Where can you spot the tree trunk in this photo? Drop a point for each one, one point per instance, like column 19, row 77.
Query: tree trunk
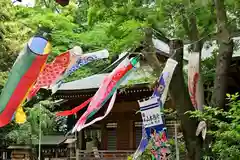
column 184, row 104
column 224, row 57
column 149, row 52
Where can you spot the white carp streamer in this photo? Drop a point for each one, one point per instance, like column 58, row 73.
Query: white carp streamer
column 195, row 88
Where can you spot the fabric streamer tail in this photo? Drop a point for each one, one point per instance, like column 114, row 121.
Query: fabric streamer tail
column 142, row 146
column 20, row 115
column 85, row 116
column 74, row 110
column 80, row 122
column 79, row 127
column 56, row 86
column 202, row 128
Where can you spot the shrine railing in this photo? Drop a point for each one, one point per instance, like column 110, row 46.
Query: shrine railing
column 104, row 154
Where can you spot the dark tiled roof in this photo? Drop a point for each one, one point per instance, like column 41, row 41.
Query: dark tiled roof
column 50, row 140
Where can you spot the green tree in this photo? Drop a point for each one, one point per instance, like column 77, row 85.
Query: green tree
column 225, row 130
column 40, row 120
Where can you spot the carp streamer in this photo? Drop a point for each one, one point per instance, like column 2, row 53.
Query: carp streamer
column 24, row 73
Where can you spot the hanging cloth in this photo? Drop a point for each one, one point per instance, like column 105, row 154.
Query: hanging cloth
column 154, row 122
column 195, row 88
column 50, row 73
column 78, row 63
column 106, row 90
column 24, row 73
column 154, row 126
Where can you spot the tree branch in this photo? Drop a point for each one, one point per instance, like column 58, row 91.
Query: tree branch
column 160, row 35
column 149, row 52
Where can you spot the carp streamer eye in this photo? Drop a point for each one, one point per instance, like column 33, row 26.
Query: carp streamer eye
column 39, row 45
column 161, row 88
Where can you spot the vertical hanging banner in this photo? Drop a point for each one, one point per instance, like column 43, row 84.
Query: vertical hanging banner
column 167, row 74
column 155, row 132
column 154, row 127
column 151, row 115
column 158, row 91
column 195, row 88
column 81, row 61
column 22, row 77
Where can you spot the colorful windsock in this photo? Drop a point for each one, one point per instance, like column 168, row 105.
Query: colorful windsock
column 77, row 62
column 51, row 73
column 106, row 90
column 23, row 75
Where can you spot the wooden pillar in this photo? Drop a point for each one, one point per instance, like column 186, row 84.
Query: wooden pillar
column 79, row 145
column 122, row 134
column 56, row 153
column 71, row 150
column 79, row 142
column 131, row 134
column 4, row 156
column 104, row 136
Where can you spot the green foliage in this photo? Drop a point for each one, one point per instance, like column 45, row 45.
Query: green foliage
column 225, row 129
column 181, row 147
column 12, row 36
column 3, row 132
column 39, row 120
column 3, row 78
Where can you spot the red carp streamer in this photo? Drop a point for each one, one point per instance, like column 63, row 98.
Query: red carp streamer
column 74, row 110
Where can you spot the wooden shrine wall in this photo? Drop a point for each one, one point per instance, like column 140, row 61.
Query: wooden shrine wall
column 125, row 132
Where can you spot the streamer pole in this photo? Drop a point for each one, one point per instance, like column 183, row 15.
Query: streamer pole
column 176, row 141
column 40, row 137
